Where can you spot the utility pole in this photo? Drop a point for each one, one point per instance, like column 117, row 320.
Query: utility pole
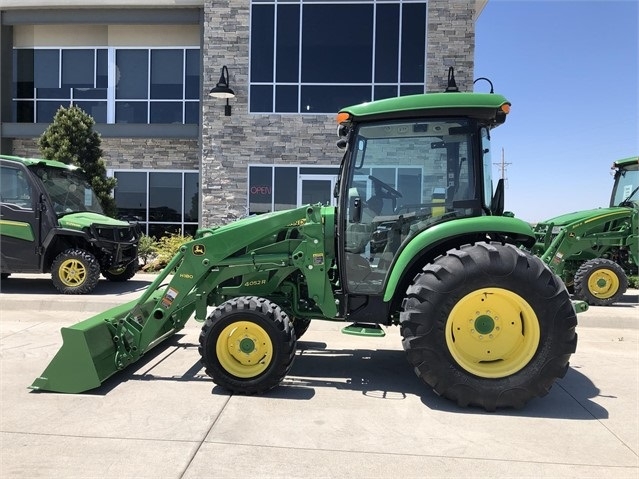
column 502, row 167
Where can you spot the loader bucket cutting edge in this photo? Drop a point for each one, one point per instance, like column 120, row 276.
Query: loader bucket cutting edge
column 87, row 355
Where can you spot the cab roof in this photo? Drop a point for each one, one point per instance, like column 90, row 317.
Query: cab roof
column 38, row 161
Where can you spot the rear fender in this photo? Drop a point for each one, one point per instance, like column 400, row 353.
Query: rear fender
column 427, row 244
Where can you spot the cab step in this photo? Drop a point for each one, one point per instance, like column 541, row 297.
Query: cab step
column 362, row 329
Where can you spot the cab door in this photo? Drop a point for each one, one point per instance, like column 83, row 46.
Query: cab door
column 19, row 230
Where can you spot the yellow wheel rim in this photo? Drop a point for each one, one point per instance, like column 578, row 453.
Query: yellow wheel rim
column 72, row 272
column 603, row 283
column 492, row 333
column 244, row 349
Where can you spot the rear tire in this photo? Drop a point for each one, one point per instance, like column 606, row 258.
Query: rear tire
column 300, row 325
column 75, row 271
column 488, row 325
column 247, row 345
column 600, row 282
column 119, row 275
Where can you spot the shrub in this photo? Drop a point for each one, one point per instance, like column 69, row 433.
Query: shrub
column 163, row 250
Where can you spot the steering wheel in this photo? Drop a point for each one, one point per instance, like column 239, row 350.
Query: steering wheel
column 386, row 190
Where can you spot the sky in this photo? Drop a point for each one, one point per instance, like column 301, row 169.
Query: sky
column 570, row 70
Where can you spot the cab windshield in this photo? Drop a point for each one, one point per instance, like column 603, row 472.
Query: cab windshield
column 68, row 190
column 404, row 177
column 626, row 186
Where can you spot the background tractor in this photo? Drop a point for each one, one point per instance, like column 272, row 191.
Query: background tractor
column 52, row 221
column 418, row 240
column 594, row 251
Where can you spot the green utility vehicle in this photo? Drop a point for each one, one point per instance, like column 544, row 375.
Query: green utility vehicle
column 417, row 240
column 594, row 251
column 52, row 221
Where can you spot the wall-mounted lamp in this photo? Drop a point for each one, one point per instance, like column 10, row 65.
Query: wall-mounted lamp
column 222, row 90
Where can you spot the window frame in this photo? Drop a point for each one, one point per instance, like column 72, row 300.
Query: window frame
column 111, row 101
column 144, row 224
column 400, row 87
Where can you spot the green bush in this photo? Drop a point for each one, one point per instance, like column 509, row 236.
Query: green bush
column 633, row 282
column 146, row 249
column 159, row 252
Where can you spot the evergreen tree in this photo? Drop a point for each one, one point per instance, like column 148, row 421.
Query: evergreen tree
column 70, row 139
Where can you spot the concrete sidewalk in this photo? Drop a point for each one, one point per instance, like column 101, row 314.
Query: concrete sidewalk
column 351, row 407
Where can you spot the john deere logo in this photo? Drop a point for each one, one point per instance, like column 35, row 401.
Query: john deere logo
column 198, row 249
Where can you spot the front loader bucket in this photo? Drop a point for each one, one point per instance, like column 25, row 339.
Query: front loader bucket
column 86, row 358
column 88, row 353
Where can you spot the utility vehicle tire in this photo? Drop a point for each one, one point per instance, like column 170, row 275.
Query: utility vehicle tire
column 247, row 345
column 121, row 274
column 488, row 325
column 300, row 325
column 75, row 271
column 600, row 282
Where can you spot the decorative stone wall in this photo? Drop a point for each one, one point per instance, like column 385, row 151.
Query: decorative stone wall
column 230, row 144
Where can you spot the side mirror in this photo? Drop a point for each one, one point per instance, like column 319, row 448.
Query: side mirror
column 497, row 202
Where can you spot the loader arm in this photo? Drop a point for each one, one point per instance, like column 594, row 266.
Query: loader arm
column 251, row 256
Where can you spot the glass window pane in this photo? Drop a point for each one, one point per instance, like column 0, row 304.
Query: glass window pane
column 23, row 73
column 90, row 93
column 131, row 112
column 130, row 195
column 102, row 69
column 260, row 189
column 411, row 90
column 409, row 182
column 387, row 44
column 78, row 68
column 47, row 68
column 192, row 80
column 288, row 43
column 192, row 113
column 24, row 111
column 166, row 112
column 385, row 91
column 285, row 188
column 189, row 230
column 53, row 93
column 261, row 99
column 132, row 73
column 262, row 37
column 97, row 109
column 160, row 230
column 165, row 197
column 323, row 42
column 167, row 74
column 413, row 42
column 191, row 196
column 331, row 99
column 286, row 99
column 46, row 110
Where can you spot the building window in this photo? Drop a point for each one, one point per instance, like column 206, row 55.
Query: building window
column 277, row 188
column 162, row 201
column 113, row 85
column 310, row 56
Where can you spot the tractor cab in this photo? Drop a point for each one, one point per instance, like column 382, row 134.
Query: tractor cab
column 626, row 189
column 400, row 177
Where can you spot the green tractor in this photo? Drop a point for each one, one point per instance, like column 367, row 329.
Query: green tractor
column 417, row 240
column 52, row 221
column 594, row 251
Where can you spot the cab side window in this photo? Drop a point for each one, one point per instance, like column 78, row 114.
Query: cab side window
column 14, row 188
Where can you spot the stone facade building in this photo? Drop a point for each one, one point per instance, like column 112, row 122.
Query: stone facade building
column 143, row 69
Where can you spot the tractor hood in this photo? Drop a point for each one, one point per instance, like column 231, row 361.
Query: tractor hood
column 84, row 219
column 586, row 215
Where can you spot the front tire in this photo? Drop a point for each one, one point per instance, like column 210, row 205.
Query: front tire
column 75, row 271
column 488, row 325
column 247, row 345
column 600, row 282
column 119, row 275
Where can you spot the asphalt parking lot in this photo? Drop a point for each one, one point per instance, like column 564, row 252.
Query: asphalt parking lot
column 351, row 407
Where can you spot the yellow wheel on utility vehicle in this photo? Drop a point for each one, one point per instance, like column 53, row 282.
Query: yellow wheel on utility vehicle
column 72, row 272
column 603, row 283
column 492, row 332
column 244, row 349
